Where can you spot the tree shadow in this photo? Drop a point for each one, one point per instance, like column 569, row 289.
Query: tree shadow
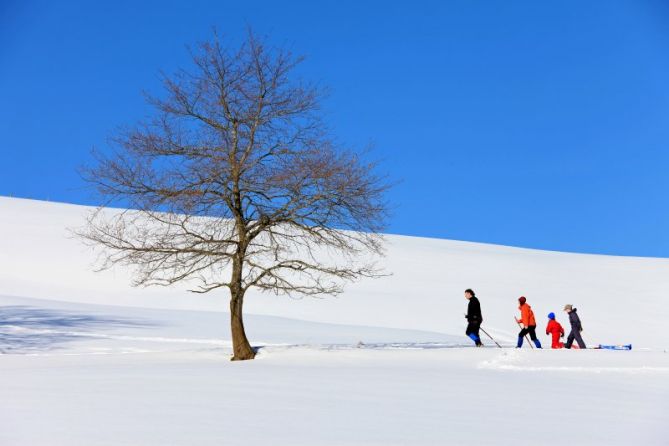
column 25, row 329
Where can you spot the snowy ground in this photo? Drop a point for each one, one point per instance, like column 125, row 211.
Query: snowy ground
column 89, row 361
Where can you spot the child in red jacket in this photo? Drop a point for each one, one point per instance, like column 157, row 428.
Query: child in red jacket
column 556, row 330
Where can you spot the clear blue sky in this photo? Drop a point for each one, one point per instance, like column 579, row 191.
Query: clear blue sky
column 537, row 124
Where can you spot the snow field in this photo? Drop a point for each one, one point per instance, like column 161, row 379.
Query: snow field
column 86, row 359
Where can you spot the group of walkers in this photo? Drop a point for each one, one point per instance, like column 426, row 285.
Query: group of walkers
column 527, row 323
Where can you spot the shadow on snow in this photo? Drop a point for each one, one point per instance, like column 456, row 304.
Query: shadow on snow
column 25, row 329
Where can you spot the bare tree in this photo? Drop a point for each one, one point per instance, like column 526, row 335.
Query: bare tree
column 236, row 183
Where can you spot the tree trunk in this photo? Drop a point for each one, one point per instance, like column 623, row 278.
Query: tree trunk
column 241, row 348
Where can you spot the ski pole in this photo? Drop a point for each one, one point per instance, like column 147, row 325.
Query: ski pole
column 521, row 327
column 493, row 340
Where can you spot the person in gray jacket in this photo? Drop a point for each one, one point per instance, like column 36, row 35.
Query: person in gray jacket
column 576, row 328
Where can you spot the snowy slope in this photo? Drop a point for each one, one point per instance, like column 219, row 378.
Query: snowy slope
column 620, row 299
column 90, row 360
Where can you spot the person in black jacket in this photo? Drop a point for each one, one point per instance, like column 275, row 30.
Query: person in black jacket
column 474, row 317
column 576, row 328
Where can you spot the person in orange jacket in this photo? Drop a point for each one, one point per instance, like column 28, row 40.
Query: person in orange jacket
column 554, row 328
column 527, row 322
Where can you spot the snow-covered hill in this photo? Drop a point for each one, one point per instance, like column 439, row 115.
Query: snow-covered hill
column 90, row 360
column 620, row 299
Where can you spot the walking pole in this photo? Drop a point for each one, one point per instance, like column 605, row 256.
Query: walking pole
column 521, row 327
column 493, row 340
